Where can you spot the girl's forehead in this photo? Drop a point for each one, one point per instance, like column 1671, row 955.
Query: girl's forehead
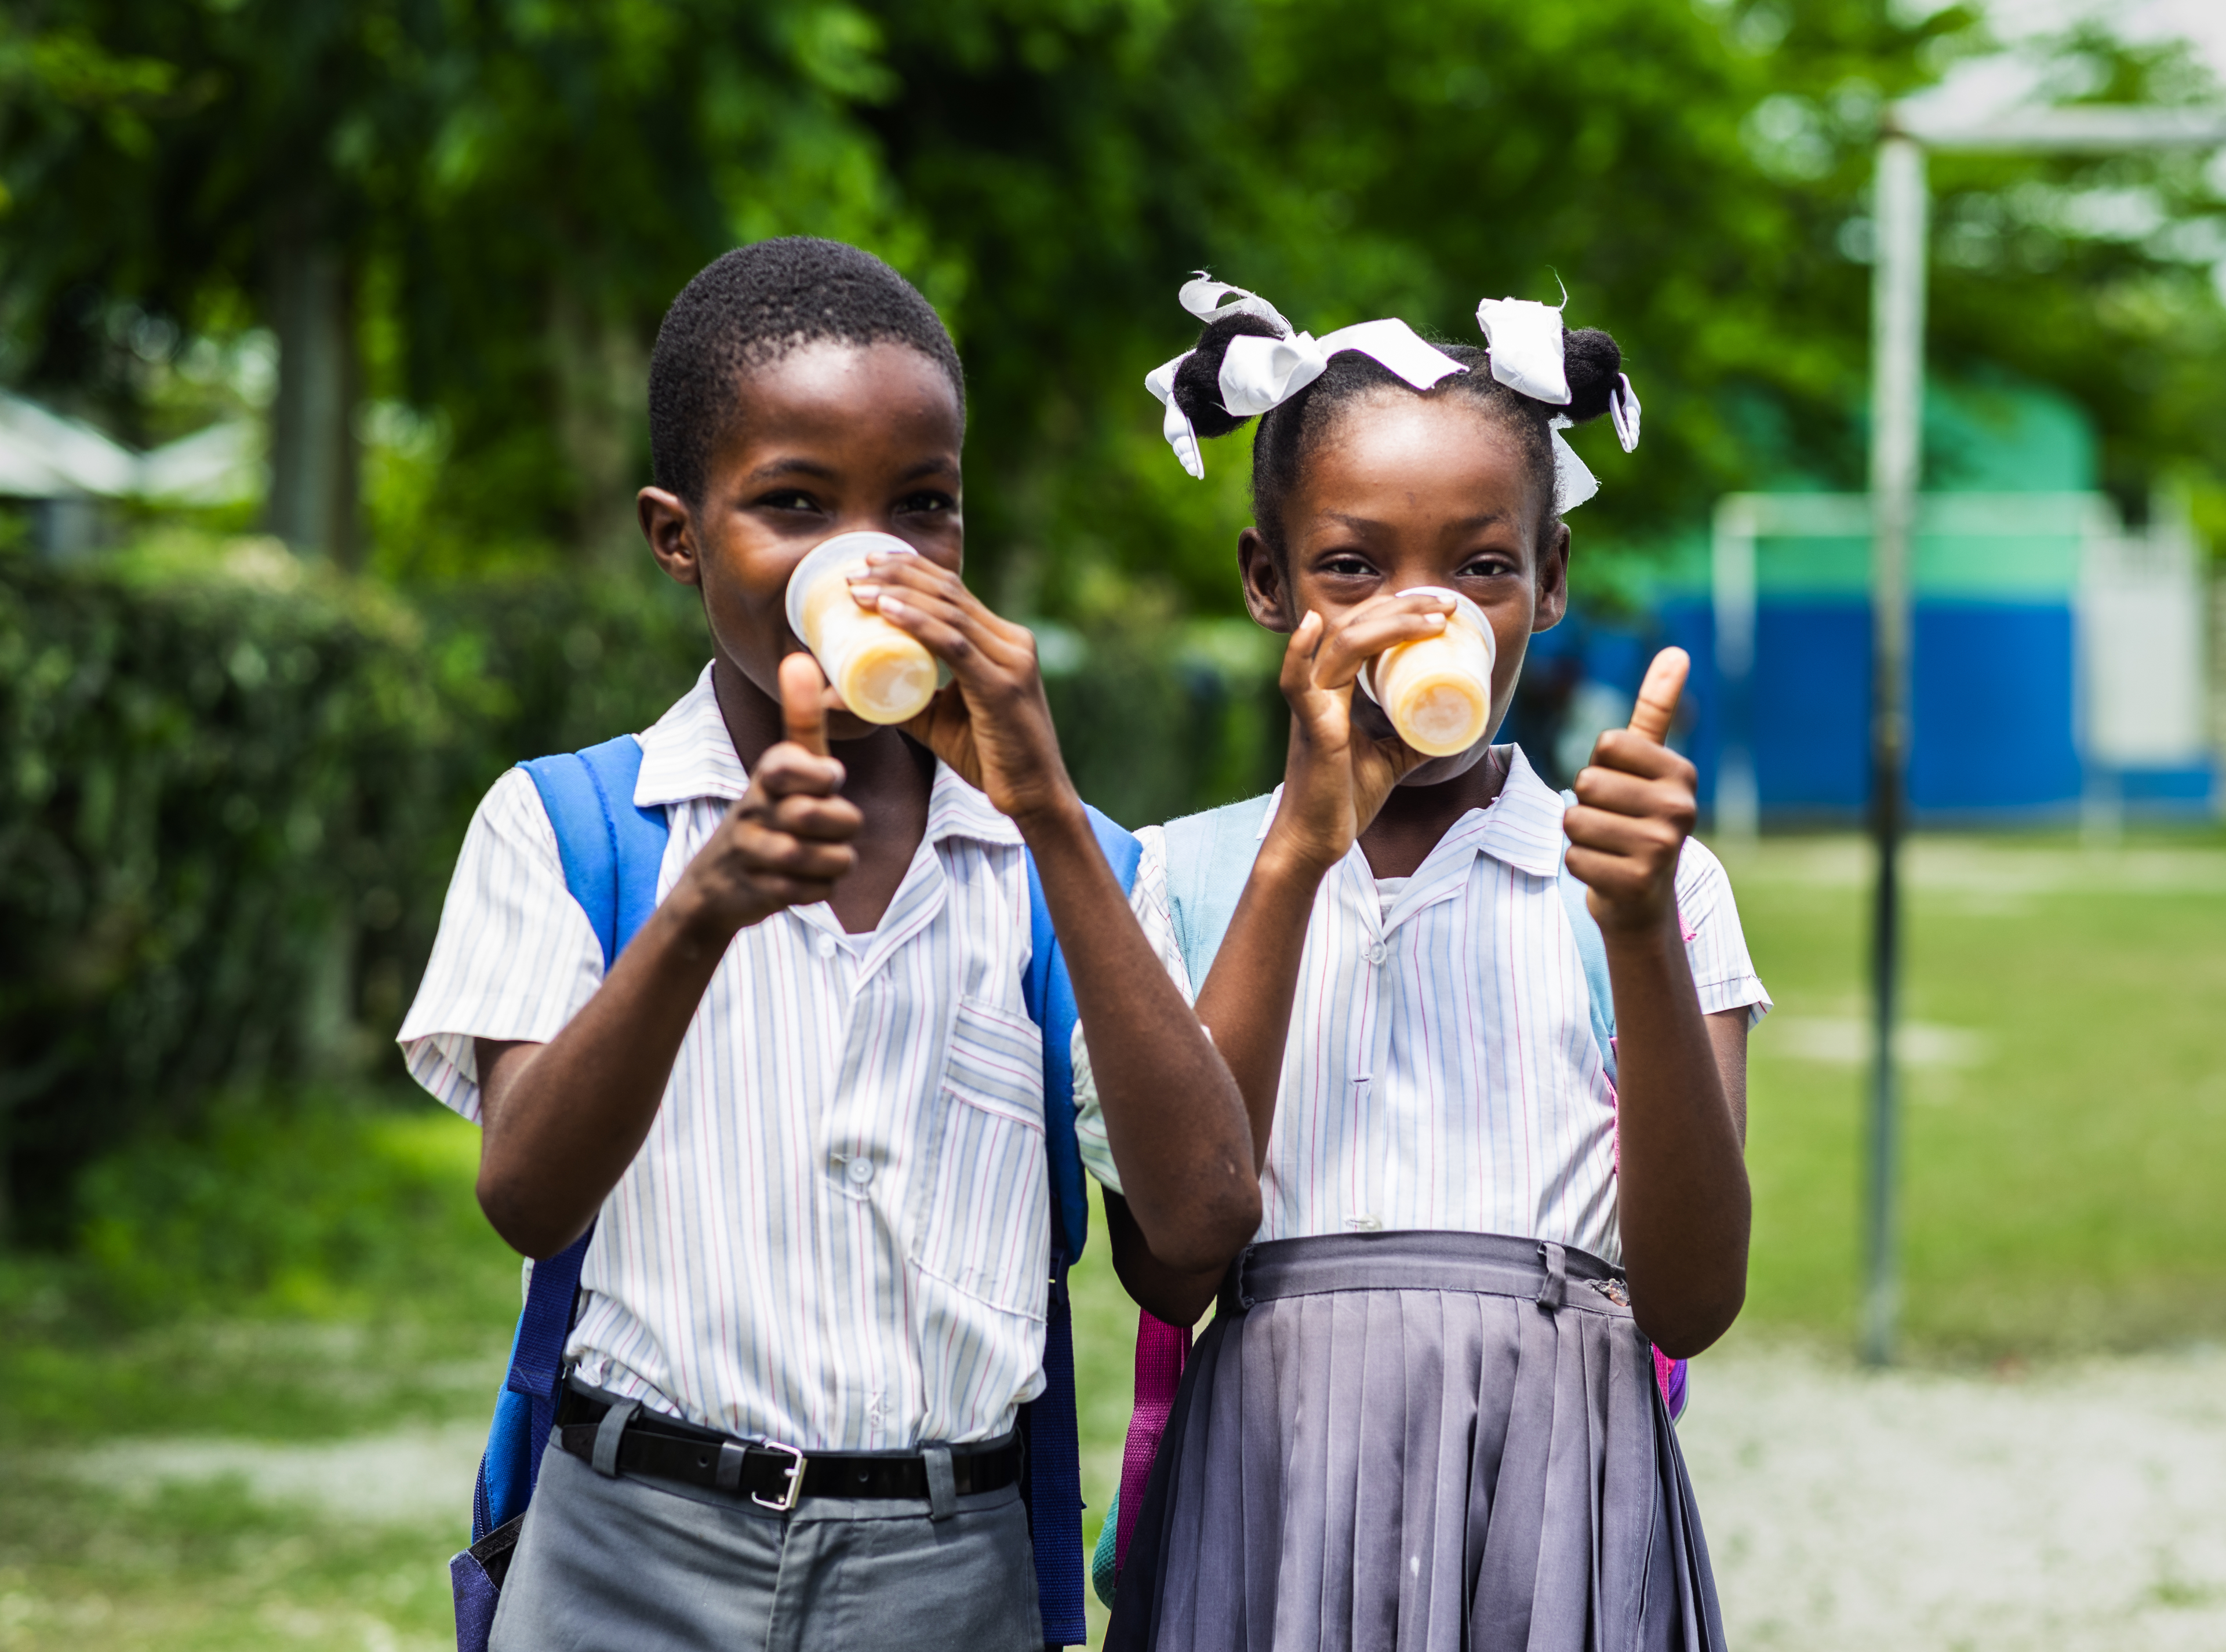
column 1417, row 457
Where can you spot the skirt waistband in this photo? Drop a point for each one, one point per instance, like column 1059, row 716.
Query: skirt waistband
column 1482, row 1264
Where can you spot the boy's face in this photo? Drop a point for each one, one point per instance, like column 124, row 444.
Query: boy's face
column 829, row 439
column 1408, row 490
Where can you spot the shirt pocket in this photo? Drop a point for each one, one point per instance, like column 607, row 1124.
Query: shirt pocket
column 987, row 1228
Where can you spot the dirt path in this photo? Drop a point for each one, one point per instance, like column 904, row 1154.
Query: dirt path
column 2080, row 1507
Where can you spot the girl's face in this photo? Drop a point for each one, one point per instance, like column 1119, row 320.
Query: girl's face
column 1406, row 490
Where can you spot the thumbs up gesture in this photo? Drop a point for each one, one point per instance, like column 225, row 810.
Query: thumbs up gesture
column 1635, row 808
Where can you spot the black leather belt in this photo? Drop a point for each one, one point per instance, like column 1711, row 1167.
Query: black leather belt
column 772, row 1477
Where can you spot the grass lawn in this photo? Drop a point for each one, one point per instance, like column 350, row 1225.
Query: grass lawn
column 2066, row 1118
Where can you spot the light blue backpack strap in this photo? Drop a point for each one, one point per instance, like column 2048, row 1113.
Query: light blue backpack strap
column 1209, row 858
column 612, row 853
column 1592, row 952
column 1048, row 1423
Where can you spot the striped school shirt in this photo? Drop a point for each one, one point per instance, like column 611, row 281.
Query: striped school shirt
column 837, row 1233
column 1440, row 1070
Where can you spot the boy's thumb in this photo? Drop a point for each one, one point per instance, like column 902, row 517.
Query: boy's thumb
column 803, row 703
column 1658, row 695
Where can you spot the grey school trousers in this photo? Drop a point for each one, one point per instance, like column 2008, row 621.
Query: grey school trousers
column 623, row 1565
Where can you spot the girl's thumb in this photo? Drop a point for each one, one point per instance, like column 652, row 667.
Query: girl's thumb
column 1658, row 695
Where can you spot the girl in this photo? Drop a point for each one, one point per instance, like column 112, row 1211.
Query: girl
column 1426, row 1414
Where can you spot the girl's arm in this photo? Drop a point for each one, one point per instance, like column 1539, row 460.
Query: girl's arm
column 1680, row 1076
column 1334, row 780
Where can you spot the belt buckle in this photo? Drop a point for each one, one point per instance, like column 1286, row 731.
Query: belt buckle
column 788, row 1500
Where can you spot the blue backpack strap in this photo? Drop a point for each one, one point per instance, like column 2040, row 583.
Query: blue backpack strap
column 1048, row 1422
column 1209, row 858
column 1592, row 952
column 612, row 853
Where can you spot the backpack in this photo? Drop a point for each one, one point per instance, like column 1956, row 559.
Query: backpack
column 1209, row 858
column 612, row 853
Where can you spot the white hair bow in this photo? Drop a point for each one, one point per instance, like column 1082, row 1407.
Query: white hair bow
column 1526, row 342
column 1260, row 373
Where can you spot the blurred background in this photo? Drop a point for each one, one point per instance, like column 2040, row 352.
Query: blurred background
column 323, row 329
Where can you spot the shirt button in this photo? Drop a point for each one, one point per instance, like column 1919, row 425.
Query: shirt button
column 860, row 1169
column 827, row 944
column 1376, row 952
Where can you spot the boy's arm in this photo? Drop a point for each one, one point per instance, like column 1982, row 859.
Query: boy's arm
column 1175, row 1119
column 1681, row 1190
column 561, row 1121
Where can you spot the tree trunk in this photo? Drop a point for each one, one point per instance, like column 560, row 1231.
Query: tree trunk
column 601, row 372
column 313, row 447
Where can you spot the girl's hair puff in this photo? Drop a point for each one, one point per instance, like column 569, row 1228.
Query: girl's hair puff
column 1289, row 433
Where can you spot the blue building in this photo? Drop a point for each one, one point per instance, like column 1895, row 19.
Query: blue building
column 2057, row 658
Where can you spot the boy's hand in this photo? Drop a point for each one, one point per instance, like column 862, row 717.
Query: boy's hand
column 786, row 840
column 1635, row 808
column 1337, row 776
column 991, row 722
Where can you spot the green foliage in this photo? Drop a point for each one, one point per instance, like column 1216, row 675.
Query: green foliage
column 316, row 1207
column 217, row 779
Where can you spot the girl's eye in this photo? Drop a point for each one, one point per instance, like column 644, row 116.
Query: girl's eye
column 1486, row 568
column 926, row 503
column 1347, row 567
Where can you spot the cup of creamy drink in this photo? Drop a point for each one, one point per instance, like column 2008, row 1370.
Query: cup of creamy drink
column 1437, row 690
column 882, row 673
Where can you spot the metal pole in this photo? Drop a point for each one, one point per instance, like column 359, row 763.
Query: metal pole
column 1897, row 425
column 1732, row 581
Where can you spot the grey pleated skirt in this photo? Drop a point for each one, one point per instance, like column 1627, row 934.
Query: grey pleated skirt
column 1418, row 1442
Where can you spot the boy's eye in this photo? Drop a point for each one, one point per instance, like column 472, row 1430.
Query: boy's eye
column 787, row 498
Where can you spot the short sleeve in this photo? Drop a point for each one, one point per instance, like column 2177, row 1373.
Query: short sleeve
column 515, row 958
column 1715, row 946
column 1149, row 900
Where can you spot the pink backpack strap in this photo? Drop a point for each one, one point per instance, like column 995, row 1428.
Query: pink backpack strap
column 1161, row 1351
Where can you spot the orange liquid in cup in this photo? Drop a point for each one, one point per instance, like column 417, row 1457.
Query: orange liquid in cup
column 882, row 673
column 1437, row 690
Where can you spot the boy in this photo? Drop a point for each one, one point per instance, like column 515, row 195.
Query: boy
column 804, row 1108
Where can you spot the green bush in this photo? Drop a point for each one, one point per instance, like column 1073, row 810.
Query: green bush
column 234, row 785
column 233, row 791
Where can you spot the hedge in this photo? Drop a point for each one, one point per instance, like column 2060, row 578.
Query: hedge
column 233, row 787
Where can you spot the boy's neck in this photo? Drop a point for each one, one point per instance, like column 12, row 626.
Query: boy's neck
column 1415, row 818
column 888, row 777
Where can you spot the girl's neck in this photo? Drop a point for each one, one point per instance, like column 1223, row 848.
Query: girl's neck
column 1415, row 818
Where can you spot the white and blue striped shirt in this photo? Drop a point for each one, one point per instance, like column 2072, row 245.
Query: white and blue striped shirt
column 837, row 1233
column 1440, row 1070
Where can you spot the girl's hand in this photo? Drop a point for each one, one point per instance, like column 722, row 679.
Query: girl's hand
column 786, row 840
column 1337, row 776
column 1635, row 809
column 991, row 722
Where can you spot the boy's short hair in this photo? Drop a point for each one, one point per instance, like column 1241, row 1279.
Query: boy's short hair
column 749, row 308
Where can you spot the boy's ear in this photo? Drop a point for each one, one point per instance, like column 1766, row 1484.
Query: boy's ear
column 1266, row 592
column 1553, row 581
column 670, row 527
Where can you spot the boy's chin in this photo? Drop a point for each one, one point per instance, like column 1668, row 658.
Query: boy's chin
column 848, row 724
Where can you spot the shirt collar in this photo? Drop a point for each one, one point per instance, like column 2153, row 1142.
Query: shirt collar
column 1523, row 827
column 688, row 753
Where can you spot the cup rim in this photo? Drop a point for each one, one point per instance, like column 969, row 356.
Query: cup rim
column 1463, row 606
column 842, row 547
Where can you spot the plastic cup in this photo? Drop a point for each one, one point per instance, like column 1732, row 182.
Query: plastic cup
column 1437, row 690
column 882, row 673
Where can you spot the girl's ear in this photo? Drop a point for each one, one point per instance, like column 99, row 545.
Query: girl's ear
column 1552, row 583
column 671, row 530
column 1266, row 590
